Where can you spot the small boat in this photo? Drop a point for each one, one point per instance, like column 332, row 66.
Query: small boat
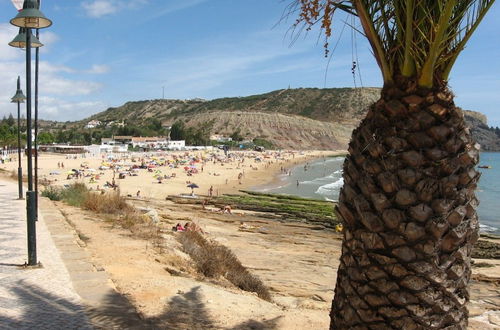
column 485, row 166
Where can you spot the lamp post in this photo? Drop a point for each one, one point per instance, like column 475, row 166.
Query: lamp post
column 30, row 17
column 19, row 98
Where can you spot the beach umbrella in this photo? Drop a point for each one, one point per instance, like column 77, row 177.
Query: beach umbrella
column 192, row 186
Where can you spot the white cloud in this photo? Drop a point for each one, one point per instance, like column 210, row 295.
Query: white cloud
column 99, row 8
column 7, row 33
column 172, row 7
column 56, row 109
column 98, row 69
column 58, row 83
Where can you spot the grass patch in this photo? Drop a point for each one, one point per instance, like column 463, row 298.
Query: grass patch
column 291, row 208
column 214, row 260
column 75, row 194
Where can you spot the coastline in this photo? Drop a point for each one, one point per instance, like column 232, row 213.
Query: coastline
column 275, row 181
column 213, row 169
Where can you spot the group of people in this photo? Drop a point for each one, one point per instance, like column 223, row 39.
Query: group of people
column 189, row 226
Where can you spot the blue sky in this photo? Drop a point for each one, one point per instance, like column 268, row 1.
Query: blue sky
column 102, row 53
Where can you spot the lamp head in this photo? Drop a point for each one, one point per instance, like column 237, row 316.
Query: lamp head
column 31, row 17
column 20, row 40
column 19, row 97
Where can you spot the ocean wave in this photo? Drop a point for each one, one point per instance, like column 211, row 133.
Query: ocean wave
column 330, row 188
column 272, row 188
column 487, row 229
column 334, row 175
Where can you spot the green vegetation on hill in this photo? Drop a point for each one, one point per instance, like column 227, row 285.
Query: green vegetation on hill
column 303, row 118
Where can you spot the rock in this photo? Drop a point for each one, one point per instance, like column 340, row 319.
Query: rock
column 153, row 216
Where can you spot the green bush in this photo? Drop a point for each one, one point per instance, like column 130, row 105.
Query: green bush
column 52, row 193
column 75, row 194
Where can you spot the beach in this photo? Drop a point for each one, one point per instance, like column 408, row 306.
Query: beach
column 157, row 175
column 296, row 261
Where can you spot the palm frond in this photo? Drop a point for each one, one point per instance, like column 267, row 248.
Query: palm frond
column 418, row 39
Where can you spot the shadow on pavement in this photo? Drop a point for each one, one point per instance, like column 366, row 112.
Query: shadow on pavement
column 44, row 310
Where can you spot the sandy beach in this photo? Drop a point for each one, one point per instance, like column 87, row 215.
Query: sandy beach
column 143, row 172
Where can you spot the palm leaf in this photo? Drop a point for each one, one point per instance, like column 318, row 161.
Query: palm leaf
column 418, row 39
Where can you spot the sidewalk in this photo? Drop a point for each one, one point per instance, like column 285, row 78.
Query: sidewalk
column 68, row 291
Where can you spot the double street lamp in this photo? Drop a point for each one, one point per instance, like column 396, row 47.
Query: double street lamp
column 30, row 17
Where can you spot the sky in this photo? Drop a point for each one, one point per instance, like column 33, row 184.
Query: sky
column 103, row 53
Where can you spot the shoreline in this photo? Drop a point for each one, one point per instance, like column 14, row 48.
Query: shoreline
column 276, row 179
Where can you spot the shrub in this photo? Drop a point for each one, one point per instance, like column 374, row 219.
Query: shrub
column 52, row 193
column 110, row 203
column 75, row 194
column 213, row 259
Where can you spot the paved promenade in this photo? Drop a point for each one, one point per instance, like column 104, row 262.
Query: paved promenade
column 67, row 291
column 37, row 298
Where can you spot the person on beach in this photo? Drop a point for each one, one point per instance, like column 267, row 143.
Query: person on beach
column 226, row 209
column 211, row 191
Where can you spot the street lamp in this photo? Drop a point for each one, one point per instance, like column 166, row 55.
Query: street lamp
column 19, row 98
column 30, row 17
column 20, row 40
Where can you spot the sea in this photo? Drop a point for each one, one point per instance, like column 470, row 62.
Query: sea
column 322, row 179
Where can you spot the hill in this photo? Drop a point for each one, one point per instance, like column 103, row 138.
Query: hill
column 302, row 118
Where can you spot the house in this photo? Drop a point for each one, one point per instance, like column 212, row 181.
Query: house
column 220, row 138
column 149, row 142
column 176, row 145
column 93, row 124
column 116, row 124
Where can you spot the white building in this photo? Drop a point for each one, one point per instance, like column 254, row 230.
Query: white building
column 220, row 138
column 93, row 124
column 122, row 143
column 176, row 145
column 149, row 142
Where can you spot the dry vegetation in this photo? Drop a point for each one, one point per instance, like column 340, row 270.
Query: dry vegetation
column 211, row 259
column 215, row 260
column 112, row 205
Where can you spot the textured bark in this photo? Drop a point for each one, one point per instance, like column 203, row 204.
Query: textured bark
column 409, row 214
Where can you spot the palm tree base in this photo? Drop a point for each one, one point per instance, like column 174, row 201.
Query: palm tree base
column 409, row 214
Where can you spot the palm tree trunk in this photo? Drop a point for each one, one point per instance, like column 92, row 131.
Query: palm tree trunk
column 409, row 214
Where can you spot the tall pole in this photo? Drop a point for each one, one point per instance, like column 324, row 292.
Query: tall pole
column 19, row 167
column 37, row 52
column 30, row 194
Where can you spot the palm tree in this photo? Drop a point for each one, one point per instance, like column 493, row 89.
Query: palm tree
column 408, row 204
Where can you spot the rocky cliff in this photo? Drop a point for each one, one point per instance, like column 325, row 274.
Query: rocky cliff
column 484, row 135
